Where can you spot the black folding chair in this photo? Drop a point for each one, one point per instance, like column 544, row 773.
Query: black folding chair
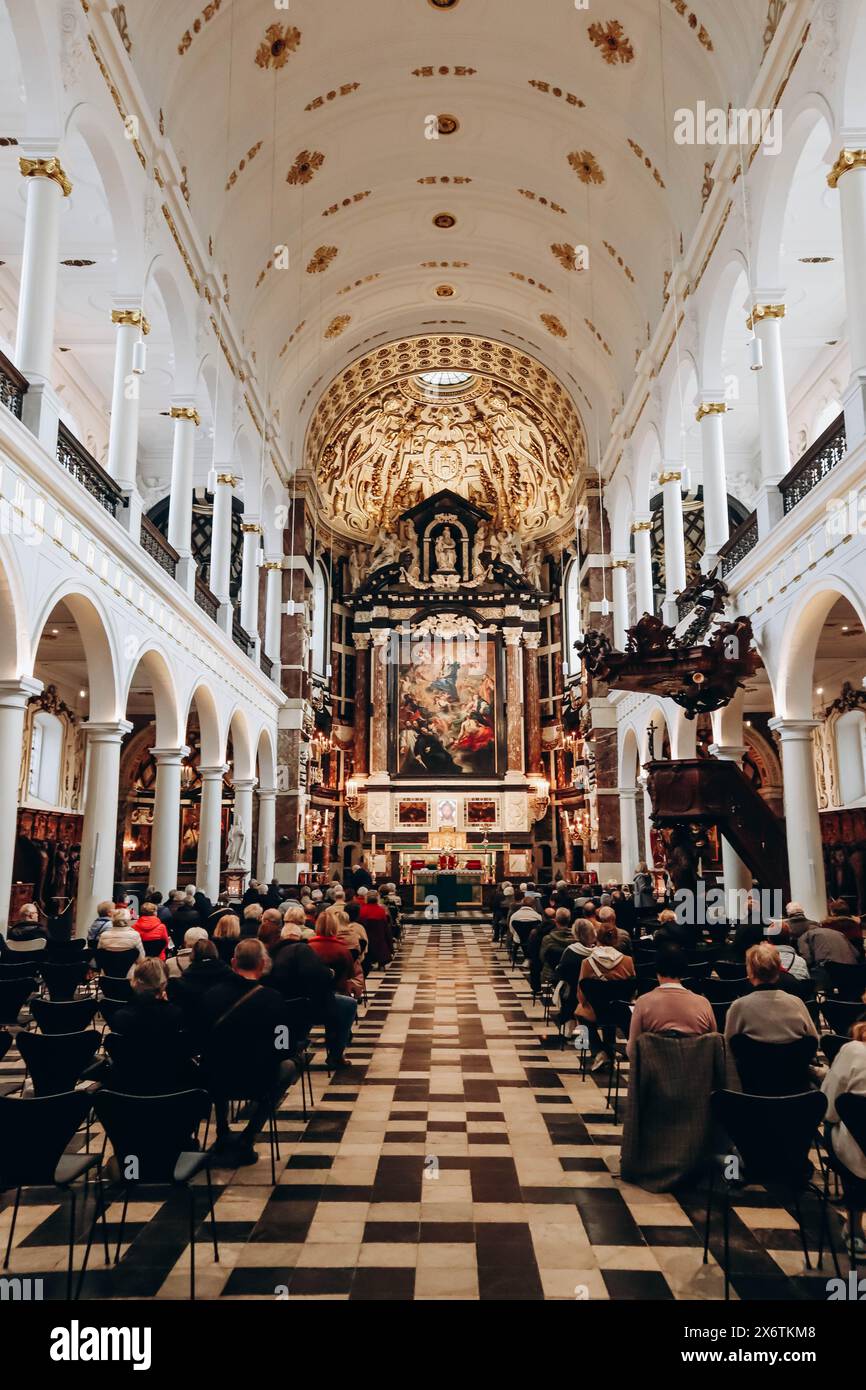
column 66, row 952
column 846, row 981
column 13, row 996
column 116, row 963
column 62, row 981
column 55, row 1061
column 6, row 1041
column 724, row 991
column 730, row 969
column 773, row 1069
column 119, row 990
column 164, row 1069
column 153, row 1142
column 18, row 970
column 31, row 951
column 34, row 1134
column 773, row 1136
column 153, row 948
column 602, row 995
column 720, row 1013
column 71, row 1017
column 841, row 1014
column 620, row 1019
column 831, row 1045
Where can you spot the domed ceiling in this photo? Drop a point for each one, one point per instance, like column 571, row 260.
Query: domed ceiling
column 465, row 414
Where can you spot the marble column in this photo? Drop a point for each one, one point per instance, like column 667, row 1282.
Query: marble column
column 47, row 186
column 362, row 698
column 567, row 847
column 675, row 542
column 99, row 830
column 532, row 703
column 250, row 578
column 644, row 601
column 849, row 176
column 186, row 421
column 619, row 580
column 221, row 545
column 243, row 815
column 267, row 843
column 274, row 612
column 379, row 701
column 513, row 703
column 710, row 417
column 736, row 875
column 130, row 325
column 209, row 862
column 14, row 695
column 166, row 818
column 629, row 843
column 802, row 822
column 766, row 320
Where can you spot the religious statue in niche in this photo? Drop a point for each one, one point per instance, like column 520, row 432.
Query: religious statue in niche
column 446, row 552
column 236, row 845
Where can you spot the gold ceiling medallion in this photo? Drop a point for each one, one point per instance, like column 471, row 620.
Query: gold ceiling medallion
column 586, row 166
column 429, row 70
column 346, row 203
column 556, row 92
column 305, row 166
column 565, row 254
column 848, row 159
column 445, row 291
column 444, row 220
column 45, row 169
column 365, row 280
column 528, row 280
column 321, row 259
column 279, row 43
column 446, row 124
column 444, row 265
column 545, row 202
column 445, row 178
column 344, row 91
column 554, row 325
column 247, row 159
column 338, row 325
column 694, row 24
column 611, row 40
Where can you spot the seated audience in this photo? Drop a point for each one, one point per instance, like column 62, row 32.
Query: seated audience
column 331, row 950
column 604, row 962
column 555, row 941
column 523, row 918
column 226, row 934
column 376, row 921
column 353, row 936
column 798, row 922
column 768, row 1014
column 822, row 946
column 607, row 917
column 104, row 914
column 793, row 965
column 121, row 934
column 839, row 919
column 251, row 919
column 150, row 928
column 670, row 932
column 568, row 972
column 671, row 1008
column 27, row 927
column 203, row 971
column 294, row 914
column 180, row 963
column 270, row 927
column 149, row 1019
column 848, row 1075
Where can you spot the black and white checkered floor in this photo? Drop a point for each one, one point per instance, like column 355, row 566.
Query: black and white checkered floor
column 461, row 1157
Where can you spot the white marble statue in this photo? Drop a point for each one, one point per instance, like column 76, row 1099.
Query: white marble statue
column 236, row 845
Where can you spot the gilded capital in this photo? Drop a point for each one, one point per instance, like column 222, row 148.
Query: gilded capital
column 619, row 564
column 251, row 528
column 641, row 526
column 45, row 169
column 185, row 412
column 671, row 476
column 710, row 408
column 848, row 159
column 228, row 479
column 765, row 311
column 130, row 318
column 273, row 565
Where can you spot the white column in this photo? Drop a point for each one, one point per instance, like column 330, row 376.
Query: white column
column 736, row 875
column 99, row 831
column 243, row 814
column 619, row 573
column 267, row 846
column 250, row 578
column 47, row 185
column 274, row 611
column 629, row 842
column 766, row 319
column 849, row 175
column 131, row 325
column 643, row 566
column 209, row 862
column 166, row 818
column 710, row 417
column 186, row 421
column 802, row 823
column 647, row 820
column 675, row 542
column 14, row 696
column 221, row 545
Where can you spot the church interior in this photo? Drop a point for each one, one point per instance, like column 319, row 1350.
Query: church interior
column 433, row 615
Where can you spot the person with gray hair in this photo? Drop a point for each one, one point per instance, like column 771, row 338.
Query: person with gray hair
column 567, row 972
column 798, row 922
column 149, row 1020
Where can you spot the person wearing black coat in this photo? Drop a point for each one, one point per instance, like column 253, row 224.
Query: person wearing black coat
column 187, row 991
column 361, row 876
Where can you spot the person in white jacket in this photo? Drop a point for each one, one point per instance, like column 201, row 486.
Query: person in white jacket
column 848, row 1074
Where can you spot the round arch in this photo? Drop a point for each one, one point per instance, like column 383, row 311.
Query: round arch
column 242, row 745
column 266, row 759
column 682, row 392
column 96, row 639
column 811, row 113
column 153, row 664
column 212, row 742
column 799, row 644
column 720, row 296
column 15, row 648
column 629, row 758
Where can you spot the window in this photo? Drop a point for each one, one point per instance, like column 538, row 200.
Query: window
column 571, row 617
column 321, row 621
column 46, row 757
column 851, row 757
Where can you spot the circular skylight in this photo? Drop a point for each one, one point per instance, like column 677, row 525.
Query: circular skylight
column 444, row 381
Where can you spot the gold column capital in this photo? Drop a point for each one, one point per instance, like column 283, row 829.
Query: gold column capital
column 847, row 159
column 45, row 169
column 228, row 479
column 130, row 318
column 185, row 412
column 272, row 565
column 251, row 528
column 765, row 311
column 710, row 408
column 619, row 564
column 641, row 526
column 671, row 476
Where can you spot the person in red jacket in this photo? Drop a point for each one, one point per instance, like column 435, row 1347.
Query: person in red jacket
column 332, row 951
column 150, row 928
column 376, row 921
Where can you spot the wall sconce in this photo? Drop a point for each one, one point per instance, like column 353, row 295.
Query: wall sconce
column 539, row 790
column 354, row 795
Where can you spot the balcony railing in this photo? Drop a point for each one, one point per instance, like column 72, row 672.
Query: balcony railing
column 208, row 602
column 266, row 664
column 738, row 544
column 13, row 387
column 83, row 466
column 242, row 639
column 819, row 460
column 157, row 547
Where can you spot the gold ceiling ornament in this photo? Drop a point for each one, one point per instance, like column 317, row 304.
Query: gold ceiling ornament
column 647, row 162
column 305, row 166
column 346, row 203
column 279, row 43
column 185, row 412
column 444, row 265
column 321, row 259
column 445, row 178
column 272, row 565
column 490, row 443
column 364, row 280
column 775, row 11
column 130, row 318
column 614, row 254
column 116, row 98
column 344, row 91
column 45, row 169
column 528, row 280
column 430, row 70
column 338, row 325
column 565, row 254
column 242, row 164
column 444, row 220
column 288, row 343
column 447, row 124
column 545, row 202
column 671, row 476
column 694, row 24
column 764, row 311
column 198, row 24
column 710, row 408
column 445, row 291
column 547, row 87
column 847, row 159
column 595, row 333
column 166, row 212
column 586, row 166
column 612, row 41
column 554, row 325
